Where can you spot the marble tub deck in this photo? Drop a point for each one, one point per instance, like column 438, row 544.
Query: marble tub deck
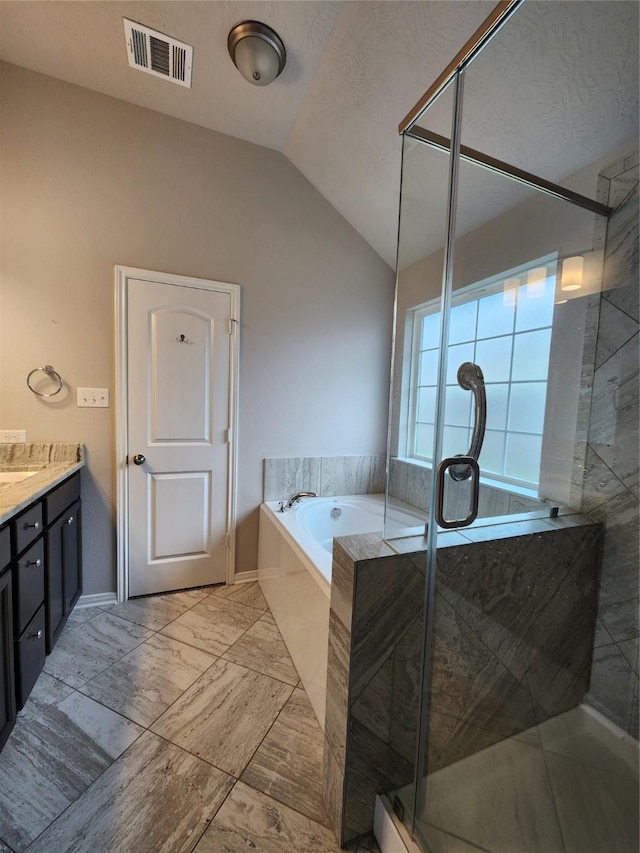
column 166, row 724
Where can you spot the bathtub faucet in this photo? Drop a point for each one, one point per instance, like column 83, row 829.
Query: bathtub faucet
column 294, row 499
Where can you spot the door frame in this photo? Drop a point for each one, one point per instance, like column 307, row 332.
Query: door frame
column 124, row 277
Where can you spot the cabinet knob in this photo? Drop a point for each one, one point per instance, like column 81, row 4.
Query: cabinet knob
column 70, row 520
column 37, row 563
column 37, row 636
column 35, row 525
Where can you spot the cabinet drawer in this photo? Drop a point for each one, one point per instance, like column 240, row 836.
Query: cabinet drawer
column 28, row 527
column 5, row 548
column 61, row 497
column 30, row 657
column 29, row 584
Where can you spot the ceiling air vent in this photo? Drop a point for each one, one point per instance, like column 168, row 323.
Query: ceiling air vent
column 158, row 54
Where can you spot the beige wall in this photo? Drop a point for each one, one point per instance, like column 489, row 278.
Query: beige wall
column 88, row 182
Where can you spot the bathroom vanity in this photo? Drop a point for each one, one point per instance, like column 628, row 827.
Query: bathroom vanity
column 40, row 564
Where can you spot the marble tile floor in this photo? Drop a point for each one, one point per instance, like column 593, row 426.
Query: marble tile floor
column 169, row 723
column 569, row 785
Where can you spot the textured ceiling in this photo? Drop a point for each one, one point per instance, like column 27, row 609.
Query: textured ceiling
column 354, row 69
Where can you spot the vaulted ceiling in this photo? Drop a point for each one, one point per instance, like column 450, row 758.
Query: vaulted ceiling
column 354, row 69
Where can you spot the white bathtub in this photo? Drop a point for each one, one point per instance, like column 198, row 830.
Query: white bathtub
column 294, row 571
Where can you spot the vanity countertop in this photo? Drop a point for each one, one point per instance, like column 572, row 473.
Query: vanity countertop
column 52, row 462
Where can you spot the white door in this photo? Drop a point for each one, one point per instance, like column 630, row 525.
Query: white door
column 178, row 342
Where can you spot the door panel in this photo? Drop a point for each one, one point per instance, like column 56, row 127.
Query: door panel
column 178, row 403
column 180, row 513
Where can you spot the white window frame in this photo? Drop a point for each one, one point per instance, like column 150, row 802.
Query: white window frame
column 413, row 328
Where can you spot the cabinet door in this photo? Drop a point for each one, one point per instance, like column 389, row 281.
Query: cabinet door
column 54, row 593
column 30, row 653
column 7, row 683
column 72, row 553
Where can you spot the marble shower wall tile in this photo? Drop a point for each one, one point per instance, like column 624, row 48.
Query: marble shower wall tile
column 327, row 476
column 612, row 472
column 514, row 617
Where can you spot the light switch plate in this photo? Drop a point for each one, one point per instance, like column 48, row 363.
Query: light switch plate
column 13, row 436
column 93, row 398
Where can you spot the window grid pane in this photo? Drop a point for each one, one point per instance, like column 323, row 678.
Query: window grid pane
column 511, row 344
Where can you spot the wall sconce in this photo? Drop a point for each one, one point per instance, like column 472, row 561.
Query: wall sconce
column 572, row 273
column 510, row 292
column 257, row 51
column 536, row 279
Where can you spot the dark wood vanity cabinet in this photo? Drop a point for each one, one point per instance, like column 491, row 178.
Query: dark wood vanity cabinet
column 7, row 680
column 28, row 599
column 46, row 574
column 63, row 556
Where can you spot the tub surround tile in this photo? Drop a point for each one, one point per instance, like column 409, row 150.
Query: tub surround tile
column 145, row 682
column 325, row 475
column 262, row 649
column 621, row 619
column 117, row 813
column 71, row 744
column 213, row 625
column 250, row 819
column 352, row 475
column 602, row 636
column 285, row 477
column 288, row 763
column 83, row 653
column 223, row 717
column 243, row 593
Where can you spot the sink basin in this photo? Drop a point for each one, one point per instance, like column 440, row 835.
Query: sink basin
column 15, row 476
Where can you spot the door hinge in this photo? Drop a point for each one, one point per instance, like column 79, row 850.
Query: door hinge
column 228, row 436
column 232, row 324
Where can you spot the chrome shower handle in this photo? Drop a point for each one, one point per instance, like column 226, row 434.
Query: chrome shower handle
column 471, row 378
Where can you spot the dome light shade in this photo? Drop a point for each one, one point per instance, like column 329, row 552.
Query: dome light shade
column 257, row 52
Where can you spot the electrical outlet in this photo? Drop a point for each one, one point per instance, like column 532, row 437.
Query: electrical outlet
column 13, row 436
column 93, row 398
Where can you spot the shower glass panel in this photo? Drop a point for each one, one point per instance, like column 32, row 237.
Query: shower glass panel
column 517, row 684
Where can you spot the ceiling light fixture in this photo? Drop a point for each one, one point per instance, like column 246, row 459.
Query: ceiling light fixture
column 257, row 52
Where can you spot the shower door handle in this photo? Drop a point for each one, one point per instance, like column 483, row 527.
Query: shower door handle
column 471, row 378
column 446, row 464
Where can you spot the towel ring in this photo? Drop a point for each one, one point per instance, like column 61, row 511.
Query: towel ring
column 52, row 374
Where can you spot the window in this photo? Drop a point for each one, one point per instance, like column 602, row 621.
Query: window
column 504, row 326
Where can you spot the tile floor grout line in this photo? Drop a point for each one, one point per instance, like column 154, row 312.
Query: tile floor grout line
column 213, row 816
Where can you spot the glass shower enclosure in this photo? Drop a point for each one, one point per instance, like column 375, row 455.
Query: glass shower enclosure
column 514, row 429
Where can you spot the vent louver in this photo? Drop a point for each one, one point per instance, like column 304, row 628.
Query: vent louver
column 158, row 54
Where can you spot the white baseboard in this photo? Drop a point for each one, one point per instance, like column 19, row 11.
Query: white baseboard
column 97, row 599
column 246, row 577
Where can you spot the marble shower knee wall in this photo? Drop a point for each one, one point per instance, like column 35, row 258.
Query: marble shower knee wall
column 611, row 477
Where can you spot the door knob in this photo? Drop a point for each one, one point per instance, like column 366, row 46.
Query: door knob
column 138, row 459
